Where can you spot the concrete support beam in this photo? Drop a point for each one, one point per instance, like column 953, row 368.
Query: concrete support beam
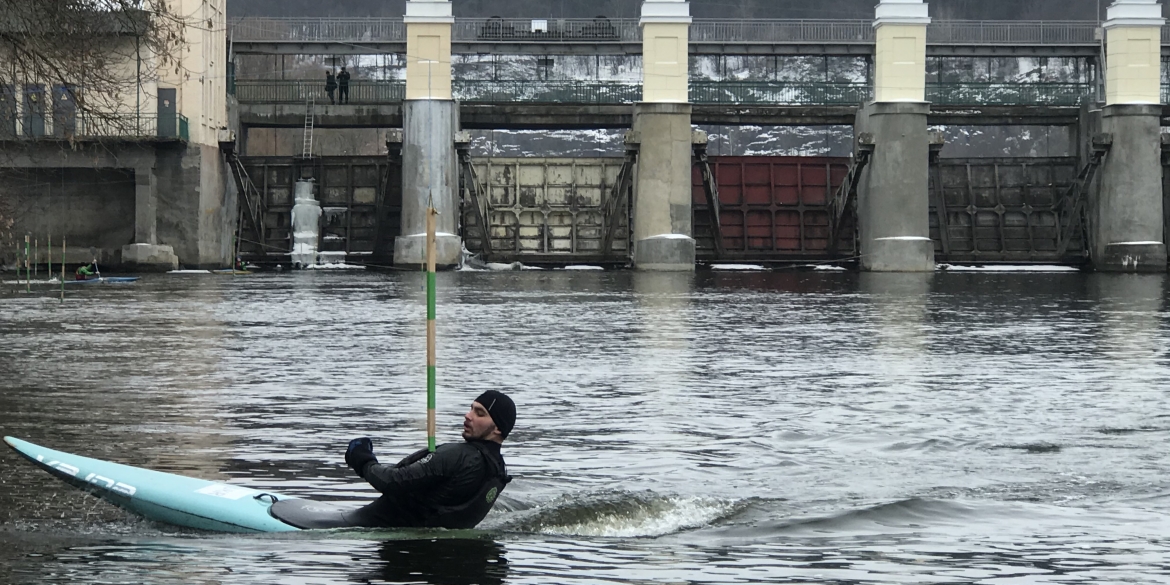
column 900, row 54
column 430, row 175
column 145, row 205
column 665, row 54
column 428, row 49
column 1133, row 35
column 145, row 255
column 662, row 188
column 893, row 202
column 1126, row 214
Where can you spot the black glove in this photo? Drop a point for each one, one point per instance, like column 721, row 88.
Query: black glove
column 359, row 454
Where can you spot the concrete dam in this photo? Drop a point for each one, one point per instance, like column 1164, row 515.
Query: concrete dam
column 895, row 191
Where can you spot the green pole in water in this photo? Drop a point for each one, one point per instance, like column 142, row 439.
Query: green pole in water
column 27, row 271
column 62, row 269
column 431, row 213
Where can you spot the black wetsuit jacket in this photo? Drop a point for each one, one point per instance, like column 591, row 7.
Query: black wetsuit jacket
column 452, row 488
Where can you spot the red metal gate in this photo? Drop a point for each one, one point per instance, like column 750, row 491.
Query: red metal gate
column 772, row 208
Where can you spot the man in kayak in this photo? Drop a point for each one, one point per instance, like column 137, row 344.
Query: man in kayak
column 88, row 272
column 454, row 487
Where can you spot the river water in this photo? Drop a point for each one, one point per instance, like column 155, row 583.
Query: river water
column 721, row 427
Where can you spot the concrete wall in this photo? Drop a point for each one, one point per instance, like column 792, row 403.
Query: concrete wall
column 197, row 206
column 92, row 208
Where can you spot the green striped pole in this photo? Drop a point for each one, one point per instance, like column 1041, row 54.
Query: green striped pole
column 431, row 213
column 62, row 269
column 27, row 271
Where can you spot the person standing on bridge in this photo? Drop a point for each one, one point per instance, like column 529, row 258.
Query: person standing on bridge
column 330, row 85
column 343, row 86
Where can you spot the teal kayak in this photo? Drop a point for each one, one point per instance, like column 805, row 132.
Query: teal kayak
column 105, row 280
column 183, row 501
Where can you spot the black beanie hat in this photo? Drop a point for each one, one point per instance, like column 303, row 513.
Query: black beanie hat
column 500, row 408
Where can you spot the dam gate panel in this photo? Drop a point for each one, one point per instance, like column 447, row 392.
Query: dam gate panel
column 1001, row 210
column 771, row 209
column 546, row 210
column 360, row 200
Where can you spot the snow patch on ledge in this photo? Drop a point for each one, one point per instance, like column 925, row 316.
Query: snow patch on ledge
column 1135, row 244
column 903, row 239
column 1007, row 268
column 737, row 267
column 669, row 237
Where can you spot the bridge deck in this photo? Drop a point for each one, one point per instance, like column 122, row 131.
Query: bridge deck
column 512, row 116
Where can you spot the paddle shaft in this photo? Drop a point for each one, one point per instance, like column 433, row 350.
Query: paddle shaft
column 431, row 213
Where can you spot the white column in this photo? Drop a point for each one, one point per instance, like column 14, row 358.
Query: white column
column 1133, row 36
column 665, row 51
column 900, row 57
column 428, row 49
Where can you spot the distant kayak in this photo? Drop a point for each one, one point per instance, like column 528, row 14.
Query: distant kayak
column 105, row 280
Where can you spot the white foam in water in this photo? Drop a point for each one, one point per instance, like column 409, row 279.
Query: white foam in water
column 737, row 267
column 335, row 266
column 830, row 267
column 657, row 518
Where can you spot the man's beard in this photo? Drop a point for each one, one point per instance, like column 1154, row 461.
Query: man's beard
column 486, row 433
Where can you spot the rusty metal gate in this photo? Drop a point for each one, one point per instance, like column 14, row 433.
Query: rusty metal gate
column 547, row 210
column 360, row 197
column 1001, row 210
column 771, row 209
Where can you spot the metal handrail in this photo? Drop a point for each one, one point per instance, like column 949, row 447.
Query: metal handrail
column 1010, row 32
column 778, row 92
column 626, row 30
column 1015, row 94
column 561, row 92
column 297, row 91
column 256, row 29
column 544, row 30
column 781, row 31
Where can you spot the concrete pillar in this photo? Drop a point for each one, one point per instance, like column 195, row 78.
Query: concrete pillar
column 662, row 124
column 893, row 197
column 145, row 205
column 1126, row 211
column 145, row 254
column 430, row 170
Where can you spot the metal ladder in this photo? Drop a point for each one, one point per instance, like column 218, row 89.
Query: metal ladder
column 307, row 146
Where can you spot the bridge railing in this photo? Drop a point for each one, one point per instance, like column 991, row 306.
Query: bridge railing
column 255, row 29
column 1009, row 94
column 781, row 31
column 547, row 30
column 701, row 92
column 1007, row 32
column 627, row 30
column 567, row 92
column 779, row 93
column 300, row 91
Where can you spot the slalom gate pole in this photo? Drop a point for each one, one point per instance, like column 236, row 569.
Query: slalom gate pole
column 27, row 271
column 62, row 269
column 431, row 213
